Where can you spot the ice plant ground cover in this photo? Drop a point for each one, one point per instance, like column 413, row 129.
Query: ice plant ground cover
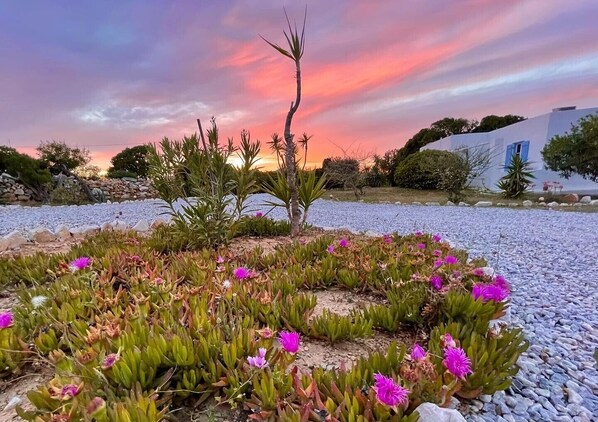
column 136, row 335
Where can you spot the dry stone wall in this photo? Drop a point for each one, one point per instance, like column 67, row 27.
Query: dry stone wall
column 12, row 192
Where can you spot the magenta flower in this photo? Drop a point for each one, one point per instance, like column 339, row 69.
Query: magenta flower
column 418, row 234
column 436, row 282
column 501, row 282
column 289, row 341
column 219, row 260
column 242, row 273
column 387, row 238
column 80, row 263
column 6, row 320
column 110, row 360
column 457, row 362
column 343, row 243
column 421, row 246
column 388, row 392
column 330, row 249
column 438, row 263
column 456, row 274
column 69, row 391
column 449, row 259
column 436, row 238
column 437, row 252
column 259, row 214
column 159, row 280
column 418, row 352
column 489, row 292
column 259, row 361
column 478, row 272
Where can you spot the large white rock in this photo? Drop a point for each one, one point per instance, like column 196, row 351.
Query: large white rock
column 527, row 203
column 553, row 204
column 463, row 204
column 594, row 203
column 63, row 232
column 12, row 240
column 449, row 204
column 142, row 226
column 433, row 203
column 106, row 227
column 120, row 226
column 429, row 412
column 90, row 230
column 585, row 199
column 483, row 204
column 41, row 235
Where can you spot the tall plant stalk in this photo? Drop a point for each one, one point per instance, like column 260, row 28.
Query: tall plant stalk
column 296, row 44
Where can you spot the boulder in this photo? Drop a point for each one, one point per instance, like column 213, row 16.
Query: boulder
column 19, row 191
column 63, row 232
column 429, row 412
column 483, row 204
column 119, row 225
column 142, row 226
column 41, row 235
column 586, row 199
column 398, row 203
column 527, row 203
column 553, row 204
column 501, row 204
column 433, row 203
column 449, row 204
column 463, row 204
column 12, row 240
column 542, row 203
column 541, row 199
column 594, row 203
column 513, row 204
column 571, row 198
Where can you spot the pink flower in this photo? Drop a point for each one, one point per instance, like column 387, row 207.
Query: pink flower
column 478, row 272
column 242, row 273
column 258, row 361
column 387, row 238
column 501, row 282
column 489, row 292
column 457, row 362
column 110, row 360
column 289, row 341
column 421, row 246
column 436, row 238
column 418, row 352
column 259, row 214
column 437, row 252
column 388, row 392
column 448, row 340
column 449, row 259
column 219, row 260
column 69, row 391
column 438, row 263
column 6, row 320
column 343, row 243
column 330, row 249
column 265, row 332
column 158, row 280
column 418, row 234
column 302, row 241
column 80, row 263
column 436, row 282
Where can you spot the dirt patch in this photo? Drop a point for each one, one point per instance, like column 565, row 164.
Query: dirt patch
column 54, row 247
column 30, row 377
column 315, row 353
column 340, row 302
column 8, row 299
column 241, row 245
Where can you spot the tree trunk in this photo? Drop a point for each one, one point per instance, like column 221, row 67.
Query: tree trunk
column 291, row 163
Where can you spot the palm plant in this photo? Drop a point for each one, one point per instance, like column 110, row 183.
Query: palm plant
column 518, row 178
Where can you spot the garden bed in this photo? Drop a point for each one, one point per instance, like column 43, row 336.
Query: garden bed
column 187, row 330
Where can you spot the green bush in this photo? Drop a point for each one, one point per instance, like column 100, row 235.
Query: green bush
column 119, row 174
column 262, row 226
column 31, row 172
column 422, row 170
column 130, row 160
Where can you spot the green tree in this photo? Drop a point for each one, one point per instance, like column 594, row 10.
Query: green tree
column 132, row 160
column 30, row 172
column 518, row 178
column 493, row 122
column 575, row 152
column 422, row 170
column 62, row 158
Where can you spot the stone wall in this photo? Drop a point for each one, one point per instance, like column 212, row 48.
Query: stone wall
column 12, row 192
column 115, row 190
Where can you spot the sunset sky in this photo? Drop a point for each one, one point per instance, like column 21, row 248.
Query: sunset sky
column 111, row 74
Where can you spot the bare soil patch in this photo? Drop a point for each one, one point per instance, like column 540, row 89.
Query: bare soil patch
column 30, row 377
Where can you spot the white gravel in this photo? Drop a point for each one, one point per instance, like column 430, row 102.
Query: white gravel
column 550, row 257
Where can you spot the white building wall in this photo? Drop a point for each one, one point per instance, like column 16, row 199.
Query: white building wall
column 538, row 131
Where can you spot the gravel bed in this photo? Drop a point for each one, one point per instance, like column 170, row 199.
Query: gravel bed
column 550, row 257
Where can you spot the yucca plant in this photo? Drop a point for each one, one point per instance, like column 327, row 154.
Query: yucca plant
column 518, row 178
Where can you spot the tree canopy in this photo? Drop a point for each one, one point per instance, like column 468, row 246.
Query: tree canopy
column 130, row 160
column 62, row 158
column 575, row 152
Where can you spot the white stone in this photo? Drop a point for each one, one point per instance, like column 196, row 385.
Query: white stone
column 142, row 226
column 62, row 232
column 19, row 191
column 119, row 225
column 527, row 203
column 541, row 199
column 542, row 203
column 429, row 412
column 449, row 204
column 41, row 235
column 513, row 204
column 416, row 203
column 501, row 204
column 106, row 227
column 594, row 202
column 585, row 199
column 90, row 230
column 553, row 204
column 433, row 203
column 398, row 203
column 463, row 204
column 12, row 240
column 483, row 204
column 578, row 204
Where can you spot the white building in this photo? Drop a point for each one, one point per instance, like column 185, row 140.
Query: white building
column 526, row 138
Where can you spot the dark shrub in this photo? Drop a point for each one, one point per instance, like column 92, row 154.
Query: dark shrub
column 422, row 169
